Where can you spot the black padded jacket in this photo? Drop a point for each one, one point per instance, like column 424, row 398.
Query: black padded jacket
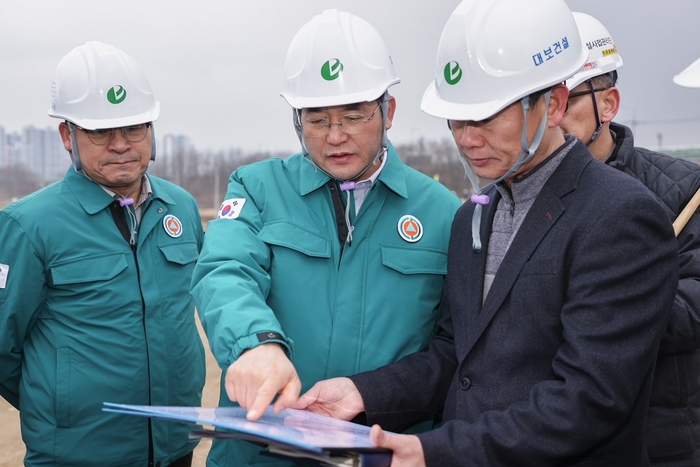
column 673, row 424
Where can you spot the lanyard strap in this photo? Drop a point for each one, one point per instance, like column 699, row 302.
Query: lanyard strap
column 120, row 220
column 339, row 210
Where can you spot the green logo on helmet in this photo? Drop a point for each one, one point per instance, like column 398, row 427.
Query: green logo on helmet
column 331, row 69
column 116, row 94
column 453, row 73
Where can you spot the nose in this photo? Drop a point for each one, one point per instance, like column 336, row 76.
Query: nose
column 469, row 136
column 336, row 135
column 118, row 142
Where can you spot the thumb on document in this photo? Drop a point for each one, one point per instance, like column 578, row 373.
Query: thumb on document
column 408, row 451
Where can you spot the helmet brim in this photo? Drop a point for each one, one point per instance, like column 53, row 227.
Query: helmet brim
column 307, row 102
column 96, row 124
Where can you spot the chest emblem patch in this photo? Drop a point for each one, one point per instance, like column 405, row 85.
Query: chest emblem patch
column 172, row 226
column 410, row 228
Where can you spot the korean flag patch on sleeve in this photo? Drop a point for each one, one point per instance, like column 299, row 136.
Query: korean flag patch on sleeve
column 231, row 208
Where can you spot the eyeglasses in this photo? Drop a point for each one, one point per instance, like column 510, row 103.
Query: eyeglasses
column 591, row 91
column 133, row 133
column 583, row 93
column 351, row 124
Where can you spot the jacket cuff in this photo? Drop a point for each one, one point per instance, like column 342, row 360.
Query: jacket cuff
column 263, row 337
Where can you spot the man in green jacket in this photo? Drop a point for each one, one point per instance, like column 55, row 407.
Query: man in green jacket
column 94, row 288
column 331, row 261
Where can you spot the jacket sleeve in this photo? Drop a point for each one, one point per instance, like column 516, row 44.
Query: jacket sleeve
column 231, row 281
column 21, row 299
column 683, row 332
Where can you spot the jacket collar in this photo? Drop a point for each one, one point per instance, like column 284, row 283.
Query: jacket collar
column 94, row 199
column 393, row 175
column 624, row 144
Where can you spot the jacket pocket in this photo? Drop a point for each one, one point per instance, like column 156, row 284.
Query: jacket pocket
column 295, row 238
column 180, row 253
column 92, row 269
column 413, row 260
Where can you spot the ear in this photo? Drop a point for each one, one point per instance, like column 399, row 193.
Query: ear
column 557, row 105
column 609, row 104
column 390, row 112
column 64, row 131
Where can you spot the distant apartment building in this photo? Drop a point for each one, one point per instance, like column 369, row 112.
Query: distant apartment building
column 43, row 152
column 174, row 158
column 39, row 150
column 14, row 149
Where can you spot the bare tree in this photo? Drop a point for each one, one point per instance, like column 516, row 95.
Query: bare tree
column 17, row 181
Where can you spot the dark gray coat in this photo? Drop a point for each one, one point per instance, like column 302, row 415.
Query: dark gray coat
column 673, row 426
column 556, row 367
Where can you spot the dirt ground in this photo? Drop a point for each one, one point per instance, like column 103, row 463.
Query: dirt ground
column 12, row 448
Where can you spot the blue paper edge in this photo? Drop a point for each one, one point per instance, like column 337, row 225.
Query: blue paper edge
column 146, row 411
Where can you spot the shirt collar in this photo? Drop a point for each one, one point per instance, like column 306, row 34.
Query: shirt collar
column 529, row 185
column 367, row 184
column 146, row 192
column 93, row 198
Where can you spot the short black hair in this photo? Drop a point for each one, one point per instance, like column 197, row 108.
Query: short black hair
column 605, row 81
column 535, row 96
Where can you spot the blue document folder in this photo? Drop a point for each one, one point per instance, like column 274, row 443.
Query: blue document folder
column 291, row 433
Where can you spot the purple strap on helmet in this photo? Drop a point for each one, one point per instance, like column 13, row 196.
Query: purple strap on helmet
column 347, row 186
column 126, row 202
column 480, row 199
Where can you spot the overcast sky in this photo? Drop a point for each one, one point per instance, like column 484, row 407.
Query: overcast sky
column 216, row 65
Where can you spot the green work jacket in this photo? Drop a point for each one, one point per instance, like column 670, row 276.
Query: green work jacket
column 84, row 319
column 274, row 270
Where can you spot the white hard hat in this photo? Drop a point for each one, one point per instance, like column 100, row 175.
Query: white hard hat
column 494, row 52
column 98, row 86
column 690, row 77
column 336, row 58
column 602, row 52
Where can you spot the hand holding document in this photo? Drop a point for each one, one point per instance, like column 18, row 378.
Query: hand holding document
column 335, row 397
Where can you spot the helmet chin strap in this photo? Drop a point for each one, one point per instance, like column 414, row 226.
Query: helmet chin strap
column 74, row 153
column 153, row 145
column 525, row 156
column 599, row 124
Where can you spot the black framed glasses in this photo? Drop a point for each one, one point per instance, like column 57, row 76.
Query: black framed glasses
column 590, row 91
column 583, row 93
column 132, row 133
column 350, row 124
